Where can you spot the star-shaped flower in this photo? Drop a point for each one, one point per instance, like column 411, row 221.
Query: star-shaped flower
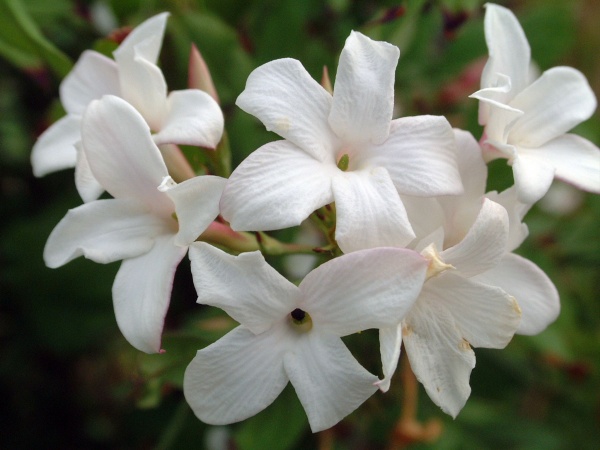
column 526, row 121
column 292, row 333
column 149, row 229
column 344, row 148
column 188, row 117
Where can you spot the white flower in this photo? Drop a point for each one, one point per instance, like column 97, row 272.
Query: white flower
column 526, row 121
column 292, row 333
column 189, row 117
column 283, row 182
column 138, row 225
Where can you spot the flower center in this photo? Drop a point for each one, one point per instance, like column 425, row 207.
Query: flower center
column 301, row 320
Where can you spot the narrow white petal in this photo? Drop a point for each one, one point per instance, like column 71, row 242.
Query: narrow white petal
column 329, row 382
column 55, row 148
column 485, row 243
column 142, row 292
column 369, row 211
column 559, row 100
column 485, row 316
column 196, row 205
column 103, row 231
column 121, row 153
column 146, row 38
column 418, row 148
column 535, row 293
column 88, row 187
column 277, row 186
column 390, row 344
column 143, row 86
column 533, row 176
column 366, row 289
column 236, row 377
column 363, row 98
column 439, row 356
column 245, row 286
column 193, row 118
column 517, row 230
column 284, row 97
column 576, row 160
column 508, row 48
column 93, row 76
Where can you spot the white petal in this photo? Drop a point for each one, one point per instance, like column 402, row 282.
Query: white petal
column 559, row 100
column 425, row 215
column 245, row 286
column 369, row 211
column 277, row 186
column 390, row 344
column 143, row 86
column 88, row 187
column 145, row 39
column 196, row 205
column 485, row 243
column 290, row 103
column 329, row 382
column 418, row 148
column 508, row 48
column 485, row 316
column 517, row 230
column 93, row 76
column 439, row 357
column 103, row 231
column 533, row 177
column 461, row 210
column 577, row 161
column 535, row 293
column 193, row 118
column 121, row 153
column 142, row 292
column 363, row 98
column 55, row 148
column 366, row 289
column 236, row 377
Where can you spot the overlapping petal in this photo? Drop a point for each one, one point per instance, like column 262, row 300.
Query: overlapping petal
column 556, row 102
column 277, row 186
column 536, row 295
column 368, row 289
column 55, row 148
column 237, row 376
column 533, row 177
column 142, row 292
column 418, row 148
column 88, row 187
column 390, row 344
column 193, row 118
column 144, row 41
column 289, row 102
column 245, row 286
column 329, row 382
column 363, row 99
column 369, row 211
column 103, row 231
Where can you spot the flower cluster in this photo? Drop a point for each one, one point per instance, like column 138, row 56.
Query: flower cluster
column 418, row 250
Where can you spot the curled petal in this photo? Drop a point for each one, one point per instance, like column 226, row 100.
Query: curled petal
column 88, row 187
column 329, row 382
column 236, row 377
column 55, row 148
column 556, row 102
column 517, row 230
column 372, row 288
column 363, row 98
column 535, row 293
column 369, row 211
column 390, row 344
column 103, row 231
column 193, row 118
column 277, row 186
column 245, row 286
column 142, row 292
column 439, row 356
column 533, row 177
column 93, row 76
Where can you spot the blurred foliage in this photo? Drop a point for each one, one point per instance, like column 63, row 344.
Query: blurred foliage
column 68, row 379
